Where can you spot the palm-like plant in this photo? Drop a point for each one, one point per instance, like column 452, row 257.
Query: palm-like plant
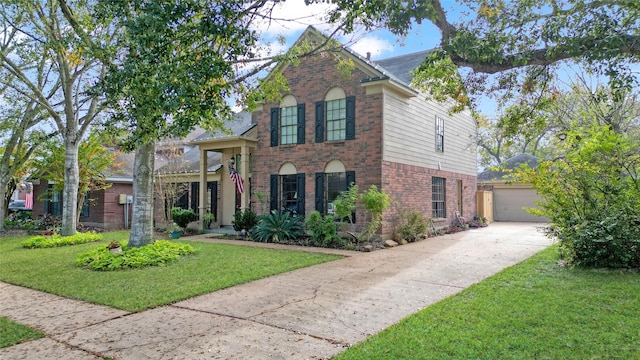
column 277, row 226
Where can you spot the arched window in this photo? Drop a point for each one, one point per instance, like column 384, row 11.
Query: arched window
column 330, row 183
column 335, row 116
column 287, row 190
column 287, row 122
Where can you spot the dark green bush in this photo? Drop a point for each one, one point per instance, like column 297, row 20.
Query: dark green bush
column 277, row 226
column 610, row 241
column 323, row 230
column 159, row 253
column 244, row 220
column 412, row 224
column 182, row 217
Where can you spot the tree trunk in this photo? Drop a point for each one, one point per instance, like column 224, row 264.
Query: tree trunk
column 70, row 190
column 142, row 214
column 3, row 200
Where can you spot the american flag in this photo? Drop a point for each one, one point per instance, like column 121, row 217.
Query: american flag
column 237, row 179
column 28, row 196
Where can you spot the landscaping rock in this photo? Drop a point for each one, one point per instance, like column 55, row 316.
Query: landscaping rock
column 368, row 248
column 390, row 243
column 422, row 237
column 403, row 242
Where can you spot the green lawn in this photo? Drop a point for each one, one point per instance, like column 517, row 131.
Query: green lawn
column 534, row 310
column 213, row 267
column 13, row 333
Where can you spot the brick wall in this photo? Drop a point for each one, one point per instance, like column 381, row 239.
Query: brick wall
column 309, row 82
column 104, row 210
column 410, row 189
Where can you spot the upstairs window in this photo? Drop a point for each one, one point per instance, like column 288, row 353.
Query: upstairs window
column 439, row 134
column 287, row 122
column 289, row 125
column 335, row 117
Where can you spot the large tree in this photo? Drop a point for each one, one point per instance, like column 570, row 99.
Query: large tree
column 60, row 85
column 180, row 63
column 521, row 42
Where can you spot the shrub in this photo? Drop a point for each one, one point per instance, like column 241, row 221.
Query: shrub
column 591, row 194
column 244, row 220
column 159, row 253
column 323, row 230
column 375, row 203
column 412, row 224
column 183, row 217
column 50, row 222
column 478, row 222
column 55, row 240
column 277, row 226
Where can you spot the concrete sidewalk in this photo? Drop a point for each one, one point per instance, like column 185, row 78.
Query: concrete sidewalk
column 311, row 313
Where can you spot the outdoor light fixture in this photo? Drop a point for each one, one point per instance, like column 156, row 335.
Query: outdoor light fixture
column 232, row 161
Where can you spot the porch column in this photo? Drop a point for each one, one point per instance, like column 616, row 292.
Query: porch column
column 203, row 186
column 244, row 170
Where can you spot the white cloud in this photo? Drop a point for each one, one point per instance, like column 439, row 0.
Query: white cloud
column 375, row 45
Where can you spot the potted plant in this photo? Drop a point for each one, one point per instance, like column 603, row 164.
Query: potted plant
column 208, row 219
column 174, row 230
column 114, row 247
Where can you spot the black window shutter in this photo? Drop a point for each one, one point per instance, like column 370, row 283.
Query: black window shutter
column 319, row 121
column 351, row 118
column 275, row 115
column 300, row 185
column 213, row 185
column 320, row 192
column 195, row 196
column 273, row 196
column 351, row 179
column 301, row 127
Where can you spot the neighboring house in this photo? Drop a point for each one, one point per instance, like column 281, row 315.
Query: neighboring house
column 369, row 128
column 510, row 200
column 102, row 208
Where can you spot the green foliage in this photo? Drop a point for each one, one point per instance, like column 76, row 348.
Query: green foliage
column 511, row 48
column 55, row 240
column 412, row 223
column 277, row 226
column 374, row 202
column 182, row 217
column 244, row 220
column 12, row 333
column 159, row 253
column 591, row 194
column 323, row 230
column 346, row 203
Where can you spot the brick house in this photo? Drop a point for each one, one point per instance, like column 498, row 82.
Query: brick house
column 102, row 208
column 370, row 127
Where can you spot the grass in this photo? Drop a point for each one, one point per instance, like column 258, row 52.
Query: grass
column 12, row 333
column 213, row 267
column 534, row 310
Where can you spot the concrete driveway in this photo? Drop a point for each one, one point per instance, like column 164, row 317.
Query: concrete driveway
column 311, row 313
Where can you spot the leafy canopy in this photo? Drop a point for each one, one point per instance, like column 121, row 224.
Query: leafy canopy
column 522, row 42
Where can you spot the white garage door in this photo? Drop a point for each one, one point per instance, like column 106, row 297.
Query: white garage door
column 509, row 204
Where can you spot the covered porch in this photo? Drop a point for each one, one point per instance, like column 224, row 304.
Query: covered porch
column 235, row 154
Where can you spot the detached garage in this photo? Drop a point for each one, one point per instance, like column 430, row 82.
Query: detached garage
column 510, row 201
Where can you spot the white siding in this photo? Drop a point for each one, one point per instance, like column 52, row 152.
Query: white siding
column 409, row 134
